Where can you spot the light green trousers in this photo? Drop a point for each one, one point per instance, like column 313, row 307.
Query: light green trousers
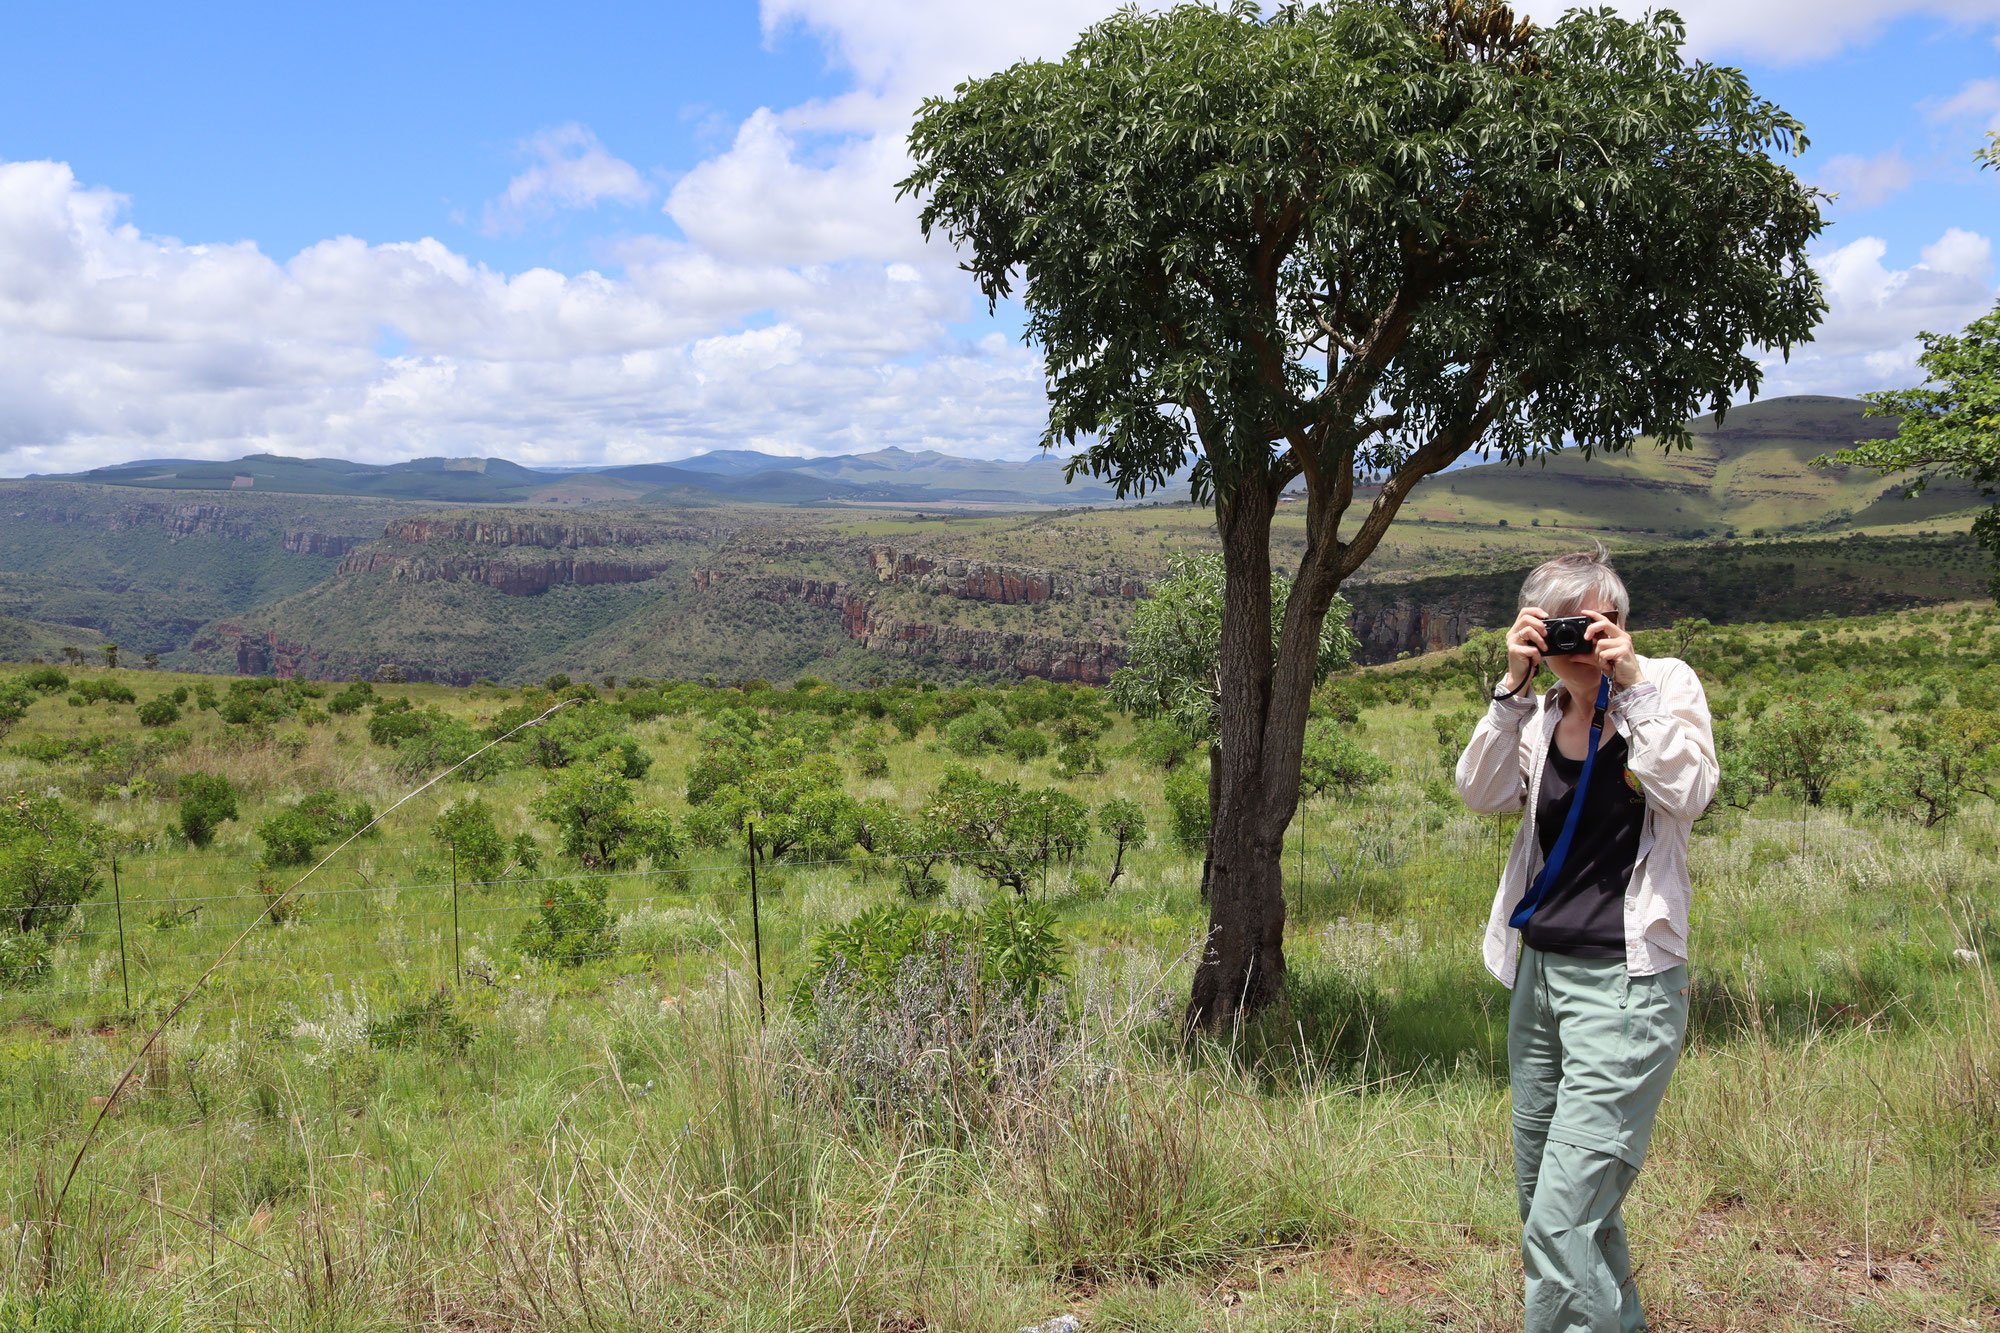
column 1590, row 1049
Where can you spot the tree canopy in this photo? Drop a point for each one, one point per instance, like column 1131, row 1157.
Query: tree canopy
column 1950, row 424
column 1346, row 243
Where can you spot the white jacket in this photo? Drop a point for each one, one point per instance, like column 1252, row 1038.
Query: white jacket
column 1672, row 754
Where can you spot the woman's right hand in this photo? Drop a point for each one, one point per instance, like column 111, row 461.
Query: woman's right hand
column 1525, row 646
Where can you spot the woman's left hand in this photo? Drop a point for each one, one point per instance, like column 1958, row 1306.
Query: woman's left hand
column 1616, row 657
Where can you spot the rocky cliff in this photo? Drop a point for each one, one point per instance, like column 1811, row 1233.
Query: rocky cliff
column 992, row 580
column 515, row 577
column 1085, row 661
column 549, row 534
column 320, row 543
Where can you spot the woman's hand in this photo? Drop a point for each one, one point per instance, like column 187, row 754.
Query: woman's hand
column 1616, row 657
column 1525, row 647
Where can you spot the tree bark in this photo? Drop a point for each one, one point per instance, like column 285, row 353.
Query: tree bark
column 1242, row 967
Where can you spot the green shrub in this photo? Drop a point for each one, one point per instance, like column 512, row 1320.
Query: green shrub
column 294, row 835
column 1158, row 743
column 977, row 732
column 572, row 926
column 431, row 1024
column 1025, row 743
column 158, row 713
column 1334, row 762
column 207, row 799
column 471, row 839
column 1187, row 809
column 870, row 762
column 46, row 680
column 1078, row 759
column 1016, row 943
column 351, row 699
column 48, row 864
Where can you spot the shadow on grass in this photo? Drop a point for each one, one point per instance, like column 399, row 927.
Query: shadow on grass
column 1431, row 1018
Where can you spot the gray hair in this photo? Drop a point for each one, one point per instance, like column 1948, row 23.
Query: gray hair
column 1561, row 585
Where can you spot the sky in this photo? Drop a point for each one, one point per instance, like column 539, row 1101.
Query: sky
column 634, row 232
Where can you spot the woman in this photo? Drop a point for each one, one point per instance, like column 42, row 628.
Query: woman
column 1596, row 898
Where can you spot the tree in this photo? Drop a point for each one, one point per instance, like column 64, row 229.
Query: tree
column 15, row 700
column 48, row 864
column 1808, row 745
column 1334, row 761
column 1942, row 761
column 1485, row 651
column 151, row 659
column 1002, row 830
column 469, row 835
column 1952, row 428
column 1350, row 240
column 110, row 651
column 1684, row 633
column 1174, row 654
column 1125, row 824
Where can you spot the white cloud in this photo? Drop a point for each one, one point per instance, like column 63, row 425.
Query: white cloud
column 1868, row 340
column 115, row 345
column 1786, row 30
column 571, row 170
column 1864, row 182
column 798, row 311
column 1979, row 99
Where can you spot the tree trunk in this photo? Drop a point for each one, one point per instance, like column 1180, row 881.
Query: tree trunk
column 1214, row 807
column 1242, row 968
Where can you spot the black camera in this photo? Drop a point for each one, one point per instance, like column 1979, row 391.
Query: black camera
column 1568, row 636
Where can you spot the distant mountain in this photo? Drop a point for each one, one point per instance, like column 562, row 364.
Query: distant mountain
column 724, row 476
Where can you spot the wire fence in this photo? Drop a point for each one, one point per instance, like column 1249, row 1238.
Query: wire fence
column 133, row 950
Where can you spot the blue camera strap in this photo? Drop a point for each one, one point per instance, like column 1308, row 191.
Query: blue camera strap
column 1560, row 852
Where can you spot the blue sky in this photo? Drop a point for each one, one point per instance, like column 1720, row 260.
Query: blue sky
column 635, row 232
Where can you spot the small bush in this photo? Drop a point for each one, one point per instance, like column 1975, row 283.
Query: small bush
column 294, row 835
column 158, row 713
column 1187, row 809
column 1078, row 759
column 46, row 680
column 572, row 927
column 1026, row 743
column 431, row 1024
column 207, row 799
column 977, row 732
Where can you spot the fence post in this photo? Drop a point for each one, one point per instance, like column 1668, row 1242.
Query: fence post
column 756, row 924
column 118, row 899
column 457, row 969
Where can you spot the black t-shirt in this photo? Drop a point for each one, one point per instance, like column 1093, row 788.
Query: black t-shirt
column 1583, row 912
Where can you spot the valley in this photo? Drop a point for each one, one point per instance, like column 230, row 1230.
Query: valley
column 361, row 572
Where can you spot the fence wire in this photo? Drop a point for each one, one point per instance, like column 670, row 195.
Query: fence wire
column 147, row 909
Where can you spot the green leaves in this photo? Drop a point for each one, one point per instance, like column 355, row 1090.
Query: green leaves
column 48, row 864
column 1238, row 238
column 1174, row 648
column 1951, row 427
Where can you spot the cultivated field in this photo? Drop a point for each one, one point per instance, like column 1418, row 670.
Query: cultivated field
column 514, row 1076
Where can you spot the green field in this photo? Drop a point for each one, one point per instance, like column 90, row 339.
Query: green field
column 395, row 1106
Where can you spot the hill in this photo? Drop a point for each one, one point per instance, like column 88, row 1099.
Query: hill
column 733, row 476
column 1751, row 471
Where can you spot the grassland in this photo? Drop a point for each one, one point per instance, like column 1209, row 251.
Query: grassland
column 620, row 1145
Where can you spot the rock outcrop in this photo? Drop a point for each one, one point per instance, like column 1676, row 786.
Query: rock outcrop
column 1389, row 626
column 320, row 543
column 514, row 577
column 1085, row 661
column 992, row 580
column 549, row 534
